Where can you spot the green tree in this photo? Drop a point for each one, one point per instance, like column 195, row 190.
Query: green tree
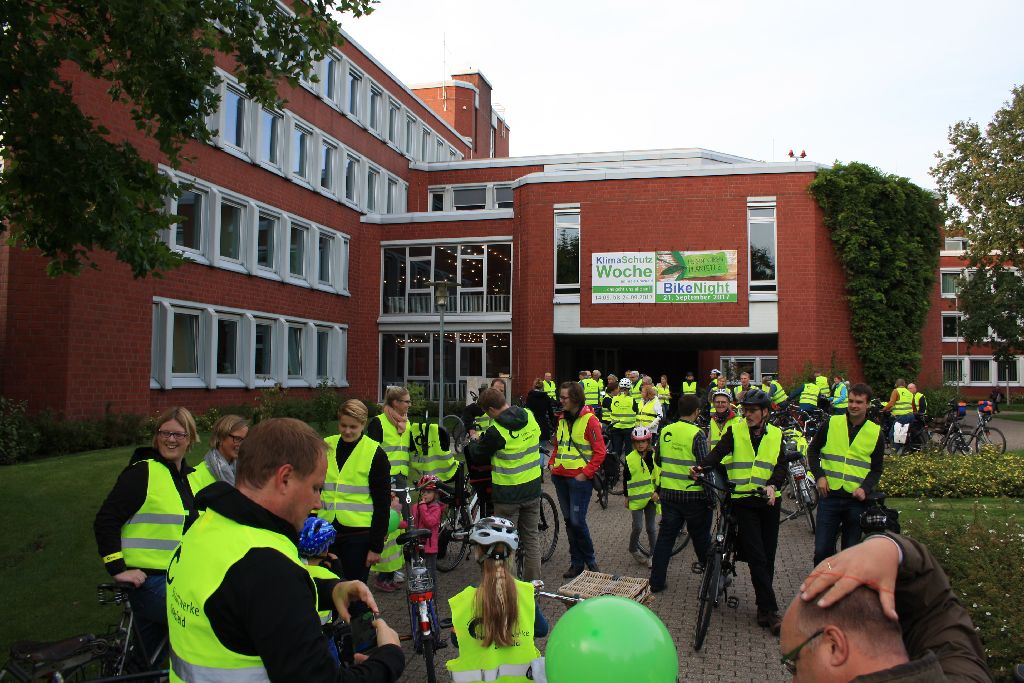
column 886, row 233
column 68, row 186
column 981, row 180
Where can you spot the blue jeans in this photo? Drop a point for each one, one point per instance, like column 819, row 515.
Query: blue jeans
column 149, row 605
column 697, row 516
column 836, row 515
column 574, row 499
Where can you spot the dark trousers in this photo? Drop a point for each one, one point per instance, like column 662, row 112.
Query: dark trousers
column 621, row 440
column 351, row 552
column 757, row 541
column 697, row 517
column 837, row 516
column 574, row 499
column 149, row 605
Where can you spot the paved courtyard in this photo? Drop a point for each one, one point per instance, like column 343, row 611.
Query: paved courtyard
column 736, row 649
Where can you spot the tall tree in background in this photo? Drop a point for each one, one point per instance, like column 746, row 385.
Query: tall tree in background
column 67, row 187
column 982, row 184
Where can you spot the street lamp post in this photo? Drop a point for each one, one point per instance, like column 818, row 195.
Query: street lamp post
column 441, row 302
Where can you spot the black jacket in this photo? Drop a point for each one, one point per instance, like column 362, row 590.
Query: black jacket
column 480, row 453
column 539, row 403
column 266, row 607
column 125, row 499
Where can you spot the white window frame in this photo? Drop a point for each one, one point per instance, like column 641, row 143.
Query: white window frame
column 354, row 109
column 562, row 293
column 244, row 219
column 303, row 175
column 948, row 271
column 763, row 203
column 375, row 100
column 353, row 184
column 942, row 325
column 273, row 165
column 306, row 229
column 206, row 216
column 372, row 199
column 228, row 379
column 331, row 188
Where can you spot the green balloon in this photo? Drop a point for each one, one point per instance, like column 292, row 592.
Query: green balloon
column 609, row 639
column 393, row 521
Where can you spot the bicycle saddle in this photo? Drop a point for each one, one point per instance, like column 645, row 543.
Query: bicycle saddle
column 50, row 651
column 412, row 535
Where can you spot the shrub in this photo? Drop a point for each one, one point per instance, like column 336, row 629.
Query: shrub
column 18, row 438
column 205, row 422
column 326, row 402
column 938, row 399
column 982, row 558
column 954, row 476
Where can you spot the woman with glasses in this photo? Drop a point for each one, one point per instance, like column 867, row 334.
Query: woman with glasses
column 140, row 524
column 219, row 462
column 391, row 430
column 578, row 453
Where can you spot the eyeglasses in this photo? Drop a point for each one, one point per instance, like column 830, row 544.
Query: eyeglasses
column 789, row 659
column 172, row 436
column 236, row 439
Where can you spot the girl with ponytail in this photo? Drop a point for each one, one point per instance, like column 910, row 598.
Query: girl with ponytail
column 494, row 625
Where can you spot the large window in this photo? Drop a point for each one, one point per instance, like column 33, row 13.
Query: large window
column 331, row 78
column 949, row 283
column 503, row 197
column 394, row 121
column 372, row 188
column 188, row 233
column 733, row 366
column 980, row 371
column 470, row 198
column 351, row 177
column 951, row 326
column 266, row 236
column 414, row 358
column 325, row 258
column 297, row 251
column 1007, row 372
column 231, row 231
column 196, row 345
column 567, row 252
column 761, row 230
column 375, row 105
column 952, row 370
column 482, row 271
column 327, row 155
column 233, row 132
column 270, row 137
column 355, row 84
column 300, row 152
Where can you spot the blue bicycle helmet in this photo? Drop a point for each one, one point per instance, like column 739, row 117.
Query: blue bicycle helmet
column 316, row 537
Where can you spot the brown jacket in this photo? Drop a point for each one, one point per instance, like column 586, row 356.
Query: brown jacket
column 933, row 621
column 924, row 670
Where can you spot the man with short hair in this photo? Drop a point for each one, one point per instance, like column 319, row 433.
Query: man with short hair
column 474, row 418
column 721, row 417
column 773, row 388
column 240, row 602
column 840, row 394
column 743, row 387
column 550, row 388
column 689, row 385
column 846, row 458
column 511, row 446
column 591, row 390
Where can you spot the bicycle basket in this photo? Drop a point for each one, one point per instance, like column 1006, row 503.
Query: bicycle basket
column 985, row 407
column 961, row 409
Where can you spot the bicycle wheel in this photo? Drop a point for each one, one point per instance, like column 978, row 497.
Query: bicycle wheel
column 548, row 527
column 708, row 597
column 457, row 432
column 958, row 444
column 428, row 659
column 991, row 437
column 602, row 495
column 454, row 519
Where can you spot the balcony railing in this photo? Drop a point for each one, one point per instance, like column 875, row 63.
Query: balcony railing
column 422, row 303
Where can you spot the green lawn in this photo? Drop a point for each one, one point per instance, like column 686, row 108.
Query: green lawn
column 949, row 511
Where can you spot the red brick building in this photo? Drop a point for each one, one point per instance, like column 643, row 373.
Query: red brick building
column 311, row 234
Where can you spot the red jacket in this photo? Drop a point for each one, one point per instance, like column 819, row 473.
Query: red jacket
column 428, row 516
column 594, row 438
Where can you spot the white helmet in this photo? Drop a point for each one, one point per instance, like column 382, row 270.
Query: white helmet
column 490, row 531
column 625, row 383
column 641, row 433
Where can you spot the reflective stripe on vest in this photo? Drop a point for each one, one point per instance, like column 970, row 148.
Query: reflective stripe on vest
column 748, row 470
column 822, row 383
column 690, row 388
column 208, row 550
column 519, row 460
column 648, row 413
column 591, row 392
column 623, row 414
column 846, row 464
column 427, row 455
column 391, row 556
column 395, row 446
column 664, row 392
column 551, row 389
column 200, row 478
column 840, row 390
column 715, row 430
column 775, row 390
column 640, row 486
column 904, row 404
column 809, row 394
column 350, row 503
column 676, row 445
column 151, row 535
column 476, row 663
column 574, row 451
column 482, row 423
column 634, row 392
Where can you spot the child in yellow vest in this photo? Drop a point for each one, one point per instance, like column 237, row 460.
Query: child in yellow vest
column 640, row 477
column 494, row 625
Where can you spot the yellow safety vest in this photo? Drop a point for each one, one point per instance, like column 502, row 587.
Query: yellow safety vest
column 822, row 383
column 427, row 455
column 482, row 423
column 690, row 388
column 647, row 413
column 210, row 548
column 809, row 394
column 318, row 571
column 153, row 533
column 634, row 391
column 346, row 495
column 476, row 663
column 676, row 446
column 396, row 446
column 574, row 451
column 623, row 415
column 840, row 390
column 748, row 470
column 715, row 430
column 846, row 464
column 551, row 389
column 200, row 478
column 797, row 437
column 519, row 460
column 904, row 404
column 391, row 558
column 738, row 391
column 640, row 486
column 775, row 390
column 664, row 393
column 592, row 391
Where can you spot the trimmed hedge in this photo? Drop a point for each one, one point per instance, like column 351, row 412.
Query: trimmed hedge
column 942, row 475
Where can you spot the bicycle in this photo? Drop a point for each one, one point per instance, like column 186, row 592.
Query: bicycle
column 606, row 478
column 799, row 488
column 985, row 435
column 419, row 588
column 720, row 566
column 457, row 433
column 118, row 655
column 953, row 440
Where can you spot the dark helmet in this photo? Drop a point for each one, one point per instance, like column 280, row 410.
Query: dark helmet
column 756, row 398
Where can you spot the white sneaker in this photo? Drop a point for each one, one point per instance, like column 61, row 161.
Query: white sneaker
column 399, row 577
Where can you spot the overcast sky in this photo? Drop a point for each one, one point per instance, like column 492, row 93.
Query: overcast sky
column 877, row 82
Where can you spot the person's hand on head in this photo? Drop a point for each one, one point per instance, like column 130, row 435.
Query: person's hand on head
column 874, row 563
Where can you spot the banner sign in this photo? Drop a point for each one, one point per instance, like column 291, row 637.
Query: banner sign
column 647, row 277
